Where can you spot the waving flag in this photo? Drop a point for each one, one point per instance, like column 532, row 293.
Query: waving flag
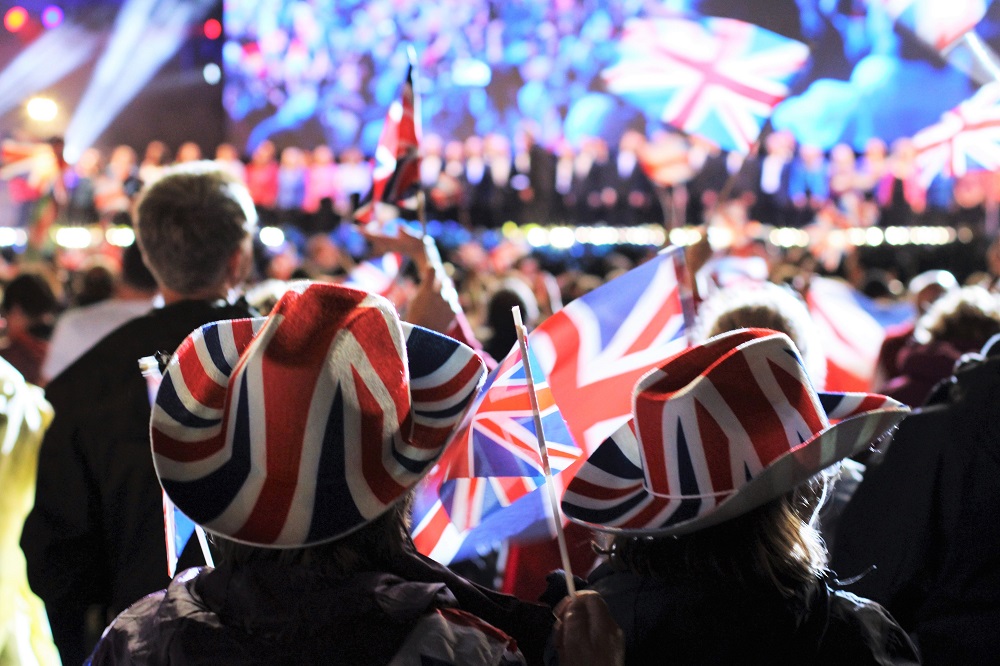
column 589, row 355
column 397, row 157
column 376, row 275
column 967, row 137
column 714, row 77
column 852, row 327
column 937, row 23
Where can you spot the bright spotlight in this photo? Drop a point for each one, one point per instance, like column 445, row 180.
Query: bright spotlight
column 272, row 236
column 120, row 236
column 10, row 236
column 75, row 238
column 212, row 74
column 15, row 18
column 42, row 109
column 52, row 16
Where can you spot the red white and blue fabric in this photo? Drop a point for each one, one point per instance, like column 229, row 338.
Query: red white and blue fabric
column 590, row 354
column 966, row 138
column 714, row 77
column 396, row 176
column 852, row 328
column 301, row 427
column 376, row 275
column 937, row 24
column 717, row 431
column 726, row 271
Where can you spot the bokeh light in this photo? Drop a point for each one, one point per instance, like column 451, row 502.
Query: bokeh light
column 15, row 18
column 42, row 109
column 213, row 29
column 212, row 73
column 52, row 16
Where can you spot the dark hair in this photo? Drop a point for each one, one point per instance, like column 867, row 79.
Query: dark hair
column 135, row 273
column 373, row 547
column 774, row 545
column 30, row 292
column 96, row 284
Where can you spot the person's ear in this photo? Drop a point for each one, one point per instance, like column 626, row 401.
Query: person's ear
column 239, row 264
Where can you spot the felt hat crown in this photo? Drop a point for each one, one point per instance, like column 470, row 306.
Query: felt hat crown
column 716, row 431
column 298, row 428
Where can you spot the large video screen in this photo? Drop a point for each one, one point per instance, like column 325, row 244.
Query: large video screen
column 319, row 71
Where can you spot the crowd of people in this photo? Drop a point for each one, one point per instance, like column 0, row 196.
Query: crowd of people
column 483, row 182
column 295, row 418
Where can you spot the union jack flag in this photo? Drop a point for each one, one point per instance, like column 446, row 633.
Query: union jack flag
column 376, row 275
column 938, row 24
column 397, row 157
column 589, row 356
column 852, row 328
column 714, row 77
column 966, row 136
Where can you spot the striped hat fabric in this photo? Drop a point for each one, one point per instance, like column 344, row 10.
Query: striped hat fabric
column 717, row 431
column 301, row 427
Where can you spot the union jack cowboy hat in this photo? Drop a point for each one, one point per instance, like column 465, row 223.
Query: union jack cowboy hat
column 301, row 427
column 716, row 431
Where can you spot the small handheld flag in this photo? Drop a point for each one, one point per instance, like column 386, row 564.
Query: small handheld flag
column 522, row 341
column 396, row 179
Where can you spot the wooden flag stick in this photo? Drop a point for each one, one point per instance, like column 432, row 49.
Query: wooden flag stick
column 522, row 340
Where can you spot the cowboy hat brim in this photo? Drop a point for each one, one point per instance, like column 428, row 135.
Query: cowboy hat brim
column 206, row 464
column 608, row 493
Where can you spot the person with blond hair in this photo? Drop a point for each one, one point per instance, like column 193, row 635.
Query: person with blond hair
column 708, row 498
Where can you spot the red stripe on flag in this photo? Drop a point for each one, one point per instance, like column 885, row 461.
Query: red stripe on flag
column 753, row 408
column 449, row 388
column 717, row 449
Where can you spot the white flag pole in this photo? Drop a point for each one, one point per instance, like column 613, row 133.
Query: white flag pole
column 522, row 340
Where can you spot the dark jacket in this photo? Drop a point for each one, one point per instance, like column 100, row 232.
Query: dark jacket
column 706, row 622
column 926, row 520
column 95, row 535
column 269, row 613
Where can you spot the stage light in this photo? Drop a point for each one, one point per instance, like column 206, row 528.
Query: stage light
column 15, row 18
column 212, row 28
column 272, row 237
column 52, row 16
column 145, row 36
column 120, row 236
column 42, row 109
column 212, row 74
column 76, row 238
column 9, row 236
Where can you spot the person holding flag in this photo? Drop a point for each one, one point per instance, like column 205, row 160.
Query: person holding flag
column 326, row 414
column 708, row 497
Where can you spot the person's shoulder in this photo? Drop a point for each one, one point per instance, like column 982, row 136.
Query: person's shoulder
column 143, row 630
column 455, row 636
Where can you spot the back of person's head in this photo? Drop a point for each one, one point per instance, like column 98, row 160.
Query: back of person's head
column 191, row 222
column 95, row 284
column 965, row 317
column 929, row 286
column 719, row 474
column 135, row 273
column 777, row 545
column 764, row 305
column 31, row 294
